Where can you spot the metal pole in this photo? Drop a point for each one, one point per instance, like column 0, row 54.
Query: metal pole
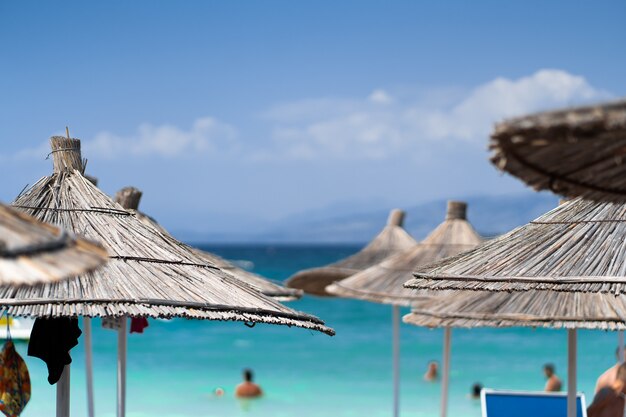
column 620, row 344
column 571, row 373
column 396, row 361
column 445, row 377
column 88, row 365
column 63, row 393
column 121, row 368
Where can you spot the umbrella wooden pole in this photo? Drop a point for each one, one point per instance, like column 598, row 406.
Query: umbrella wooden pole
column 396, row 360
column 445, row 377
column 88, row 365
column 63, row 393
column 620, row 345
column 121, row 368
column 571, row 373
column 128, row 198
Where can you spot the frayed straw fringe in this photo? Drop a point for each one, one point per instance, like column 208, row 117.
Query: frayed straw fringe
column 391, row 240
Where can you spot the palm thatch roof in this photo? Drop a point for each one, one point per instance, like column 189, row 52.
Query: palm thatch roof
column 129, row 198
column 520, row 309
column 573, row 152
column 148, row 273
column 577, row 247
column 32, row 252
column 383, row 283
column 391, row 240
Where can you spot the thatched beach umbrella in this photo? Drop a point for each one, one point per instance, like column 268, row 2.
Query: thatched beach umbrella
column 148, row 274
column 390, row 241
column 32, row 252
column 574, row 152
column 384, row 282
column 259, row 283
column 577, row 247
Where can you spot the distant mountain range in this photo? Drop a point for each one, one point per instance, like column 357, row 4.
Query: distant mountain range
column 490, row 215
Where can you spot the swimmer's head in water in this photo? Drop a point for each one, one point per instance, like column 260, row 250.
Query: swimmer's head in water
column 248, row 376
column 476, row 388
column 548, row 369
column 433, row 365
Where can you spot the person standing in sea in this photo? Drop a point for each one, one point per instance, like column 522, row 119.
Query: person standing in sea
column 248, row 389
column 432, row 372
column 553, row 384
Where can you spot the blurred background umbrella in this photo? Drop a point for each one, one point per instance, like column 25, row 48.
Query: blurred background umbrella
column 391, row 240
column 384, row 282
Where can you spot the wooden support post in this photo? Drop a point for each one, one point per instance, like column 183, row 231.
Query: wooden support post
column 121, row 368
column 445, row 377
column 571, row 372
column 63, row 393
column 396, row 360
column 89, row 365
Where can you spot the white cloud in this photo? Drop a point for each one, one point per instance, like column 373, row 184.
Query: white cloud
column 207, row 135
column 380, row 96
column 381, row 125
column 473, row 116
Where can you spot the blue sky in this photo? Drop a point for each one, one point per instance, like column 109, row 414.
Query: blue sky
column 258, row 110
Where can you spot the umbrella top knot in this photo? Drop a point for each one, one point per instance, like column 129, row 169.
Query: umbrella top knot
column 128, row 197
column 396, row 218
column 66, row 154
column 457, row 210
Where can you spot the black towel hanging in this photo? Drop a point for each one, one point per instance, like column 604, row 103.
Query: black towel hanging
column 51, row 341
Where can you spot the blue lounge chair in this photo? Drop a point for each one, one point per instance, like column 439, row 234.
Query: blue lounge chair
column 497, row 403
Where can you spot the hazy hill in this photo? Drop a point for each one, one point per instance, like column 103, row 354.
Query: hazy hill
column 490, row 215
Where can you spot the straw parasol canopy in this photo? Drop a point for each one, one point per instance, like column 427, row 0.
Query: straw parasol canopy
column 532, row 308
column 32, row 252
column 576, row 247
column 574, row 152
column 148, row 274
column 383, row 283
column 262, row 285
column 391, row 240
column 566, row 269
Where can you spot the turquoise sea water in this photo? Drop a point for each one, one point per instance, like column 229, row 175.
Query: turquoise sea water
column 175, row 365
